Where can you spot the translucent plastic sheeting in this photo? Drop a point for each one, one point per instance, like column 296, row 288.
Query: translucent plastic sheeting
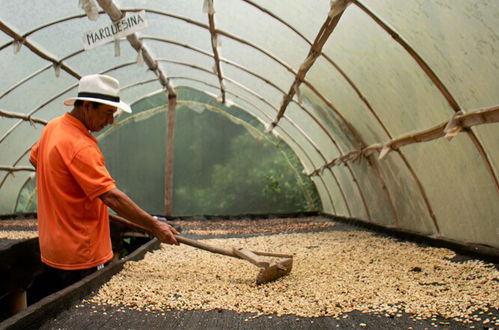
column 333, row 191
column 398, row 90
column 283, row 39
column 452, row 36
column 489, row 137
column 302, row 154
column 71, row 31
column 12, row 72
column 161, row 25
column 41, row 105
column 316, row 158
column 10, row 190
column 318, row 134
column 331, row 84
column 257, row 62
column 336, row 126
column 270, row 93
column 351, row 192
column 102, row 58
column 39, row 12
column 371, row 185
column 34, row 93
column 472, row 194
column 408, row 199
column 192, row 9
column 175, row 70
column 13, row 146
column 171, row 51
column 268, row 111
column 327, row 206
column 304, row 15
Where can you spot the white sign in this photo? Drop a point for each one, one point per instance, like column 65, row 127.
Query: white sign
column 128, row 25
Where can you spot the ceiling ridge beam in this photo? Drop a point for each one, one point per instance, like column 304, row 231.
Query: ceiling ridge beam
column 334, row 15
column 116, row 14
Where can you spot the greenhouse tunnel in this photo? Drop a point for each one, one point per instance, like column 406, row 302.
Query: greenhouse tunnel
column 379, row 111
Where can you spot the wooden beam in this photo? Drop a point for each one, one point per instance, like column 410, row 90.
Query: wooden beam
column 17, row 37
column 337, row 9
column 116, row 14
column 214, row 47
column 170, row 146
column 17, row 169
column 460, row 123
column 15, row 115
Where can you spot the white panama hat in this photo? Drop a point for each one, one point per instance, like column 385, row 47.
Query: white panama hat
column 101, row 89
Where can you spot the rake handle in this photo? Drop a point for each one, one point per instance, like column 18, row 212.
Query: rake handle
column 180, row 239
column 207, row 247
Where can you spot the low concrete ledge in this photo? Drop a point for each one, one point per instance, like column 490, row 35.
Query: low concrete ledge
column 37, row 313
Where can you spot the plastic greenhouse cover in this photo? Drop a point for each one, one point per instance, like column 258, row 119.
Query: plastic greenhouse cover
column 390, row 68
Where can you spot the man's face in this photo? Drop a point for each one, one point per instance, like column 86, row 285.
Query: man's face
column 98, row 118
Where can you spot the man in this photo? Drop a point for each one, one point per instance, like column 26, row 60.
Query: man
column 74, row 187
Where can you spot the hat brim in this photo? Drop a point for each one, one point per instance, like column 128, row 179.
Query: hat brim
column 120, row 105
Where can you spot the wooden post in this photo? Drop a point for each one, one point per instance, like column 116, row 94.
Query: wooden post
column 172, row 104
column 17, row 301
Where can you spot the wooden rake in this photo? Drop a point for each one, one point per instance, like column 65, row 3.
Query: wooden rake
column 272, row 265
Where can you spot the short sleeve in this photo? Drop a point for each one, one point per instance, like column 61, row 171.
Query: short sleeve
column 89, row 170
column 33, row 156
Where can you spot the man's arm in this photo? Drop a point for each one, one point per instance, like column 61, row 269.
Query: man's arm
column 119, row 202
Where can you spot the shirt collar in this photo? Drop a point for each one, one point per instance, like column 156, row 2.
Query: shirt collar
column 70, row 119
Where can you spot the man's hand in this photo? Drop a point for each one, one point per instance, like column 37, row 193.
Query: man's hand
column 126, row 208
column 165, row 233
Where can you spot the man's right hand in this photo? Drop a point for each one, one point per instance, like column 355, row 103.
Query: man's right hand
column 165, row 233
column 126, row 208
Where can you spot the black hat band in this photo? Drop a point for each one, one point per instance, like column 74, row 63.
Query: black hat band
column 99, row 96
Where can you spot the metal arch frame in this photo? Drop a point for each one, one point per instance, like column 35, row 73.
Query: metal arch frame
column 272, row 57
column 348, row 124
column 436, row 80
column 364, row 100
column 270, row 83
column 237, row 96
column 476, row 141
column 307, row 138
column 310, row 141
column 267, row 81
column 225, row 113
column 285, row 133
column 287, row 67
column 299, row 129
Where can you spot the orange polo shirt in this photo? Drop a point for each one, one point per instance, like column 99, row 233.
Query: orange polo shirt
column 73, row 222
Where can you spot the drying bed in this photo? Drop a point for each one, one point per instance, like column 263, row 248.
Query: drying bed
column 343, row 276
column 18, row 229
column 232, row 227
